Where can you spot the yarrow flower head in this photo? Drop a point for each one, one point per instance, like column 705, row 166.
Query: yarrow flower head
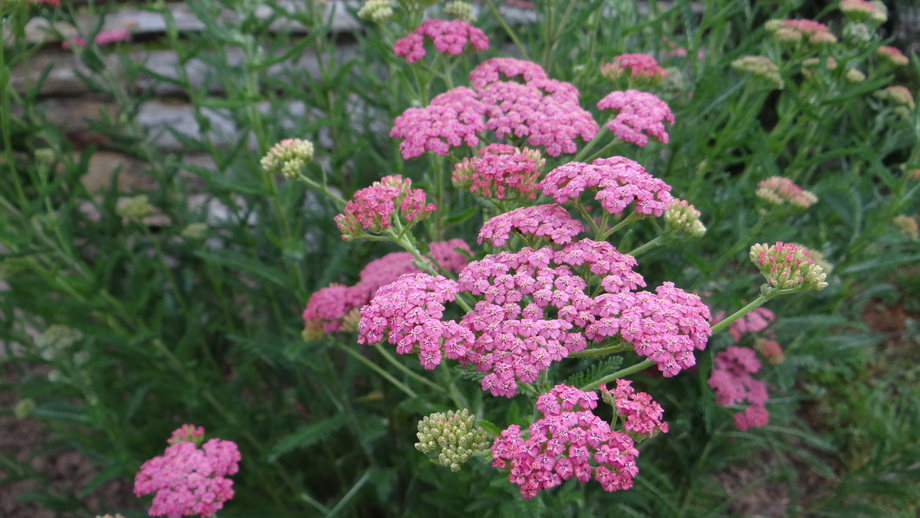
column 757, row 320
column 377, row 11
column 459, row 10
column 188, row 480
column 568, row 441
column 499, row 172
column 408, row 312
column 787, row 267
column 795, row 31
column 863, row 11
column 448, row 36
column 384, row 204
column 288, row 157
column 551, row 223
column 642, row 413
column 499, row 69
column 188, row 432
column 892, row 56
column 328, row 309
column 899, row 96
column 762, row 68
column 452, row 119
column 453, row 436
column 683, row 217
column 641, row 67
column 907, row 225
column 732, row 382
column 778, row 190
column 770, row 349
column 640, row 115
column 618, row 181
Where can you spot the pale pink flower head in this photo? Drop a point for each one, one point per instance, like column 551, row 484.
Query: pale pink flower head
column 376, row 208
column 187, row 480
column 732, row 382
column 550, row 223
column 636, row 66
column 103, row 38
column 448, row 36
column 778, row 190
column 787, row 267
column 892, row 56
column 569, row 441
column 452, row 119
column 500, row 171
column 618, row 182
column 862, row 11
column 409, row 312
column 793, row 31
column 639, row 115
column 505, row 69
column 328, row 306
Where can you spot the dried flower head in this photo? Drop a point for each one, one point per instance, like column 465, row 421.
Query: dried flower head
column 762, row 68
column 384, row 204
column 639, row 115
column 453, row 436
column 907, row 225
column 682, row 217
column 787, row 267
column 288, row 157
column 778, row 190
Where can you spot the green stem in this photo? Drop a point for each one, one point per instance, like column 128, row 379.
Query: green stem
column 508, row 30
column 759, row 301
column 602, row 351
column 657, row 241
column 376, row 368
column 414, row 375
column 617, row 375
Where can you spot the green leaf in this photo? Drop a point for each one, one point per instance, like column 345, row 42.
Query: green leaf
column 460, row 217
column 307, row 435
column 244, row 264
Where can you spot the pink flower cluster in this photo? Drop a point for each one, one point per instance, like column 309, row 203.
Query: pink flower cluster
column 103, row 38
column 450, row 36
column 779, row 191
column 535, row 309
column 618, row 181
column 794, row 31
column 787, row 266
column 551, row 223
column 327, row 308
column 732, row 382
column 409, row 312
column 643, row 414
column 892, row 55
column 757, row 320
column 189, row 481
column 640, row 115
column 636, row 66
column 374, row 208
column 500, row 171
column 542, row 111
column 568, row 441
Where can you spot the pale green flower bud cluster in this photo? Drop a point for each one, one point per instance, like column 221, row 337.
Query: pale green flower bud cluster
column 195, row 231
column 453, row 436
column 855, row 76
column 136, row 207
column 24, row 408
column 762, row 68
column 863, row 11
column 288, row 157
column 857, row 33
column 460, row 11
column 908, row 226
column 55, row 339
column 377, row 11
column 683, row 217
column 787, row 267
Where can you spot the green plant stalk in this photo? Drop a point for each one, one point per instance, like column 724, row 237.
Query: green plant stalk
column 379, row 370
column 617, row 375
column 396, row 363
column 508, row 30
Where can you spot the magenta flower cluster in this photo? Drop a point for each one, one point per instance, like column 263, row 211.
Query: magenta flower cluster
column 374, row 208
column 409, row 311
column 642, row 414
column 448, row 36
column 328, row 306
column 568, row 441
column 535, row 307
column 500, row 171
column 732, row 382
column 187, row 480
column 618, row 182
column 550, row 223
column 541, row 111
column 640, row 115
